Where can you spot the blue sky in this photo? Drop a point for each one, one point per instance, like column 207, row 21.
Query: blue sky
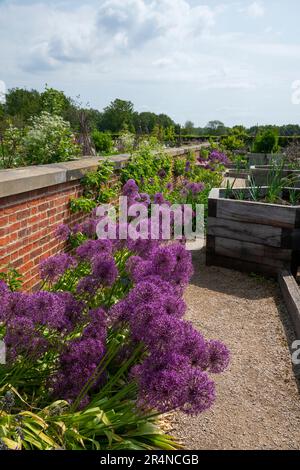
column 230, row 60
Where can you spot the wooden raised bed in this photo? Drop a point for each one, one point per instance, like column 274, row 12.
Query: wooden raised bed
column 260, row 175
column 291, row 294
column 252, row 236
column 263, row 158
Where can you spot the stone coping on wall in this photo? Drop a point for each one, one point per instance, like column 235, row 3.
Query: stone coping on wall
column 21, row 180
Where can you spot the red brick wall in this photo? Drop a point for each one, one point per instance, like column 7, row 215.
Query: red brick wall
column 27, row 226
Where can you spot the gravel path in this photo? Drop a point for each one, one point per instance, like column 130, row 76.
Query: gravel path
column 258, row 402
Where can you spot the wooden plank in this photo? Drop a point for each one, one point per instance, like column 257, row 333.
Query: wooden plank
column 257, row 213
column 291, row 294
column 241, row 265
column 253, row 252
column 244, row 231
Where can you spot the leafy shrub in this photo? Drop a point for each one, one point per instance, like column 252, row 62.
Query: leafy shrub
column 49, row 140
column 266, row 142
column 11, row 147
column 103, row 141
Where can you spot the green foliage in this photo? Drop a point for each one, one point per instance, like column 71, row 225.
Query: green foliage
column 146, row 162
column 103, row 141
column 266, row 142
column 54, row 101
column 49, row 140
column 13, row 279
column 11, row 147
column 22, row 104
column 99, row 187
column 117, row 116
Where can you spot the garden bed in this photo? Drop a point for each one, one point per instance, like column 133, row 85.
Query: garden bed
column 291, row 294
column 252, row 236
column 263, row 158
column 260, row 174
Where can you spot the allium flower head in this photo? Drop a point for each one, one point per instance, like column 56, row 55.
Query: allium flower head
column 63, row 232
column 91, row 248
column 130, row 188
column 199, row 392
column 55, row 266
column 163, row 261
column 219, row 356
column 88, row 227
column 159, row 198
column 104, row 269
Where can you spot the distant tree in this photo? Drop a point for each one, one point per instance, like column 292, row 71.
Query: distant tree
column 145, row 122
column 266, row 141
column 22, row 104
column 189, row 127
column 55, row 101
column 165, row 121
column 117, row 116
column 215, row 127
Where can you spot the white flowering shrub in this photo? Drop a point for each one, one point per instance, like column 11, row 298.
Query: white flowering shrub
column 49, row 140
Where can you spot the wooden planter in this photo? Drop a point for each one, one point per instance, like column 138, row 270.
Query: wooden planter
column 260, row 175
column 252, row 236
column 263, row 158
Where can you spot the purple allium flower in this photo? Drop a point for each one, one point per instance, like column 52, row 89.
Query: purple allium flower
column 141, row 317
column 55, row 266
column 22, row 338
column 76, row 229
column 218, row 157
column 13, row 304
column 143, row 292
column 63, row 232
column 130, row 188
column 4, row 297
column 187, row 166
column 73, row 309
column 184, row 192
column 88, row 227
column 195, row 188
column 91, row 248
column 219, row 356
column 174, row 305
column 169, row 186
column 161, row 379
column 199, row 392
column 162, row 173
column 47, row 308
column 120, row 312
column 97, row 328
column 143, row 247
column 183, row 267
column 159, row 198
column 145, row 199
column 77, row 365
column 88, row 285
column 104, row 269
column 194, row 347
column 165, row 333
column 4, row 290
column 163, row 261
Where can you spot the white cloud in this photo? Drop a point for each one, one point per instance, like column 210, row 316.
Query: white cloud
column 256, row 10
